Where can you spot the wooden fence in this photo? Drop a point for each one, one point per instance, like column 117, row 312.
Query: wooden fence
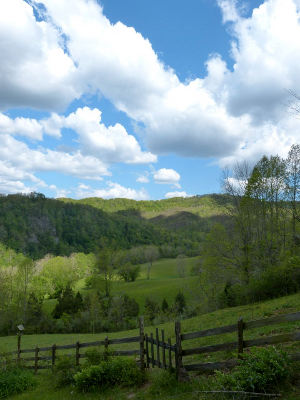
column 177, row 353
column 54, row 349
column 155, row 351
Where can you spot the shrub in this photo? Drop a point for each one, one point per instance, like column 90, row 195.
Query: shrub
column 15, row 380
column 258, row 371
column 64, row 371
column 116, row 371
column 96, row 356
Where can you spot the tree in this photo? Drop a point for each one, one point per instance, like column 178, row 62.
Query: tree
column 181, row 265
column 293, row 186
column 151, row 254
column 129, row 272
column 164, row 306
column 180, row 303
column 151, row 309
column 68, row 303
column 106, row 262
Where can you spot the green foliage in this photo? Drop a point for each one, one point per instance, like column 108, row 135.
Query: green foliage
column 68, row 303
column 129, row 272
column 15, row 380
column 164, row 306
column 163, row 381
column 180, row 303
column 37, row 226
column 64, row 371
column 96, row 356
column 116, row 371
column 272, row 283
column 260, row 370
column 151, row 309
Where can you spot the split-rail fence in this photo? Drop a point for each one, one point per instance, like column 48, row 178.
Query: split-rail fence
column 155, row 350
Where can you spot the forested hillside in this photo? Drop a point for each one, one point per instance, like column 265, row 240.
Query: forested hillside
column 35, row 225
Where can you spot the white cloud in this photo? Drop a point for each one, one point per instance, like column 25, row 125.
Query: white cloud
column 167, row 176
column 23, row 161
column 28, row 127
column 112, row 191
column 110, row 144
column 143, row 179
column 177, row 194
column 34, row 69
column 266, row 53
column 228, row 114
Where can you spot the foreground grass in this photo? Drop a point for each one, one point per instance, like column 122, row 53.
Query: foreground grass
column 159, row 385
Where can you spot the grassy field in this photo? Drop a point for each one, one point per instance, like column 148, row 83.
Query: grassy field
column 218, row 318
column 164, row 282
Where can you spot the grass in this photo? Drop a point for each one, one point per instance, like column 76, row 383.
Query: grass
column 164, row 282
column 217, row 318
column 45, row 390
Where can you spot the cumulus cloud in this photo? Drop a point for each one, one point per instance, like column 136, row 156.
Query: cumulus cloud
column 266, row 51
column 167, row 176
column 112, row 191
column 228, row 114
column 20, row 162
column 169, row 195
column 110, row 144
column 34, row 70
column 28, row 127
column 208, row 117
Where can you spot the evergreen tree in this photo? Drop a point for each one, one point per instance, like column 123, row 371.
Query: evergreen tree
column 180, row 303
column 164, row 306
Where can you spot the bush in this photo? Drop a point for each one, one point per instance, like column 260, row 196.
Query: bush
column 95, row 356
column 116, row 371
column 15, row 380
column 64, row 371
column 258, row 371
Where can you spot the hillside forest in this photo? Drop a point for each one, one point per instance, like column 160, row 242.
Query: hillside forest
column 94, row 265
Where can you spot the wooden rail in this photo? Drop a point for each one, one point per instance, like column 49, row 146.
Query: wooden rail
column 168, row 355
column 77, row 346
column 241, row 343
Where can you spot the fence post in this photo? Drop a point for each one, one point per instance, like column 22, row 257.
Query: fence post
column 19, row 348
column 170, row 353
column 36, row 359
column 164, row 349
column 240, row 337
column 77, row 353
column 142, row 345
column 53, row 355
column 157, row 348
column 147, row 351
column 106, row 342
column 152, row 350
column 178, row 353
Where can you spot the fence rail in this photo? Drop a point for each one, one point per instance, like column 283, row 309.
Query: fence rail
column 77, row 346
column 240, row 344
column 156, row 351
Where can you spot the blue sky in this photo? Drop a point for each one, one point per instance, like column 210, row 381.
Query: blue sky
column 143, row 99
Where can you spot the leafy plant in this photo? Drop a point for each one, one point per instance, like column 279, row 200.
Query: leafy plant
column 64, row 371
column 116, row 371
column 15, row 380
column 260, row 370
column 96, row 356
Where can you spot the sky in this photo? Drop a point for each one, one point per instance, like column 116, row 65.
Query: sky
column 143, row 99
